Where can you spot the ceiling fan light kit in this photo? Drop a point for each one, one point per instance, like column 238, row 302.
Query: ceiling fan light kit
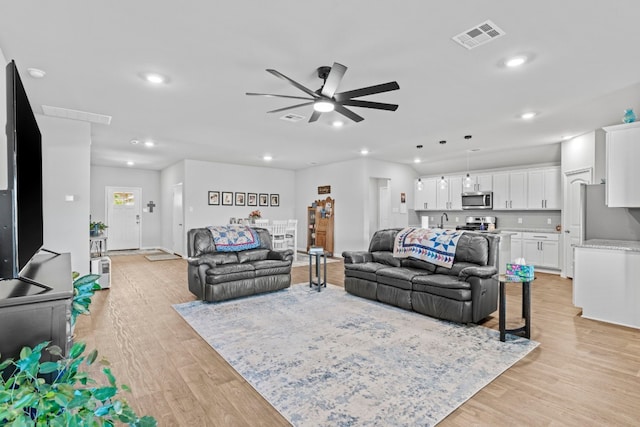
column 326, row 99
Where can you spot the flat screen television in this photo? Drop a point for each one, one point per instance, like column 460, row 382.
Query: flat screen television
column 21, row 219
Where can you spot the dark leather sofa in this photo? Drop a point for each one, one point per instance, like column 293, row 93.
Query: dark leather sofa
column 218, row 276
column 465, row 293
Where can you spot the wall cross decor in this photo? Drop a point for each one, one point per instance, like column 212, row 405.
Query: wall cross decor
column 151, row 205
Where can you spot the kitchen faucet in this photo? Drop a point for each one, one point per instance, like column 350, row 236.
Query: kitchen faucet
column 444, row 214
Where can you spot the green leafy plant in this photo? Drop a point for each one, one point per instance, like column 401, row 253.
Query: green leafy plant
column 72, row 398
column 83, row 289
column 98, row 225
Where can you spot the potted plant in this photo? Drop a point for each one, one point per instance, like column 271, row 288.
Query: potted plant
column 96, row 228
column 253, row 215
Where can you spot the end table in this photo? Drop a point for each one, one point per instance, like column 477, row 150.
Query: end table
column 321, row 258
column 525, row 330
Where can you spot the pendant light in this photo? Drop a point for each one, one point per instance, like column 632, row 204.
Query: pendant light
column 467, row 179
column 443, row 183
column 419, row 186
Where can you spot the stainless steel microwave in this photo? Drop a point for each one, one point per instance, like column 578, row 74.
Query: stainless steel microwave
column 477, row 200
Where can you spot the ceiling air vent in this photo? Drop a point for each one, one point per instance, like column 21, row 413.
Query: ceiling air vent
column 292, row 117
column 84, row 116
column 479, row 35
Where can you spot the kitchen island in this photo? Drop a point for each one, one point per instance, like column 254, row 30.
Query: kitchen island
column 606, row 281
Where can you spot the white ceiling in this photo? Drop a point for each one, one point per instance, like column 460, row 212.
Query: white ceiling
column 585, row 71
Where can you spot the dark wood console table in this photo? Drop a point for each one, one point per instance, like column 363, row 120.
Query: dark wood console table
column 30, row 314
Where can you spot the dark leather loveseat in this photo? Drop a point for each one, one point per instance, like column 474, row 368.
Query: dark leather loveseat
column 218, row 276
column 465, row 293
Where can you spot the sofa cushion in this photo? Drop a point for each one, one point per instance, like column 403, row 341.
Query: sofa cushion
column 384, row 257
column 265, row 238
column 366, row 270
column 252, row 255
column 383, row 240
column 203, row 243
column 398, row 277
column 418, row 263
column 444, row 286
column 473, row 249
column 229, row 272
column 271, row 267
column 455, row 269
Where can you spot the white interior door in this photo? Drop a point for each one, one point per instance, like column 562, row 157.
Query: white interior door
column 572, row 214
column 124, row 206
column 178, row 221
column 384, row 210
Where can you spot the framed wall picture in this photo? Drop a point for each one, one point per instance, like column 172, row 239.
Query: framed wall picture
column 214, row 198
column 252, row 199
column 275, row 199
column 240, row 199
column 227, row 198
column 263, row 199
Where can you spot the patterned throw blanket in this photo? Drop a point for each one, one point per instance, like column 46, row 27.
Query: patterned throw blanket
column 231, row 238
column 433, row 245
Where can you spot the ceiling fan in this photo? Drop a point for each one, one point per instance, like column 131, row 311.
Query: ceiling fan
column 326, row 99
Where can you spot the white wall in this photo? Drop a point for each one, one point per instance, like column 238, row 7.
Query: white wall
column 65, row 171
column 355, row 193
column 202, row 177
column 148, row 180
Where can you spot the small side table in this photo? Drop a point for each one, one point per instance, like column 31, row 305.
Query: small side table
column 97, row 245
column 320, row 280
column 525, row 330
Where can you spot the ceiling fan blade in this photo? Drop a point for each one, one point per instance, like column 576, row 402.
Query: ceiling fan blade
column 293, row 82
column 348, row 113
column 277, row 96
column 333, row 79
column 289, row 108
column 370, row 90
column 315, row 116
column 369, row 104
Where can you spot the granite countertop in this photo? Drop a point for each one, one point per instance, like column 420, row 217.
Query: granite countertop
column 620, row 245
column 531, row 230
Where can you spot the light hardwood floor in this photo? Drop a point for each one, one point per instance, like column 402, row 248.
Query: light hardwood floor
column 583, row 373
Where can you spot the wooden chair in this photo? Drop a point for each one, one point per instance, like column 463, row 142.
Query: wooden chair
column 262, row 223
column 291, row 237
column 279, row 234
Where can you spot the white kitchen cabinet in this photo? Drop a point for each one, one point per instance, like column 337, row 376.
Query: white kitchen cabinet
column 623, row 173
column 541, row 249
column 510, row 190
column 479, row 182
column 516, row 247
column 449, row 193
column 425, row 199
column 543, row 188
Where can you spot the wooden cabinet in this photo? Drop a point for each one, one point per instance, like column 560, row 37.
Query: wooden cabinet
column 543, row 188
column 479, row 182
column 623, row 173
column 320, row 224
column 509, row 190
column 541, row 249
column 425, row 198
column 449, row 193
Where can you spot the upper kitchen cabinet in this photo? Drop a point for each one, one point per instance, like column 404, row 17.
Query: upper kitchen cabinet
column 510, row 190
column 543, row 188
column 479, row 182
column 623, row 173
column 449, row 193
column 425, row 194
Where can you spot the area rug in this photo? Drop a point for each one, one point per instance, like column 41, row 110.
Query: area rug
column 332, row 359
column 161, row 257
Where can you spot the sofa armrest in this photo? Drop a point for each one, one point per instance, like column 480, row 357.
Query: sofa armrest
column 483, row 272
column 202, row 259
column 285, row 255
column 357, row 257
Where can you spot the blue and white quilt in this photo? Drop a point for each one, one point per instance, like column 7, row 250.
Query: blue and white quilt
column 231, row 238
column 433, row 245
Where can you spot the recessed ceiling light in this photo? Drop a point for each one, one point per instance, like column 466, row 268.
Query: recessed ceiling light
column 130, row 163
column 338, row 124
column 149, row 143
column 154, row 78
column 364, row 151
column 134, row 141
column 416, row 160
column 516, row 61
column 267, row 158
column 528, row 116
column 36, row 73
